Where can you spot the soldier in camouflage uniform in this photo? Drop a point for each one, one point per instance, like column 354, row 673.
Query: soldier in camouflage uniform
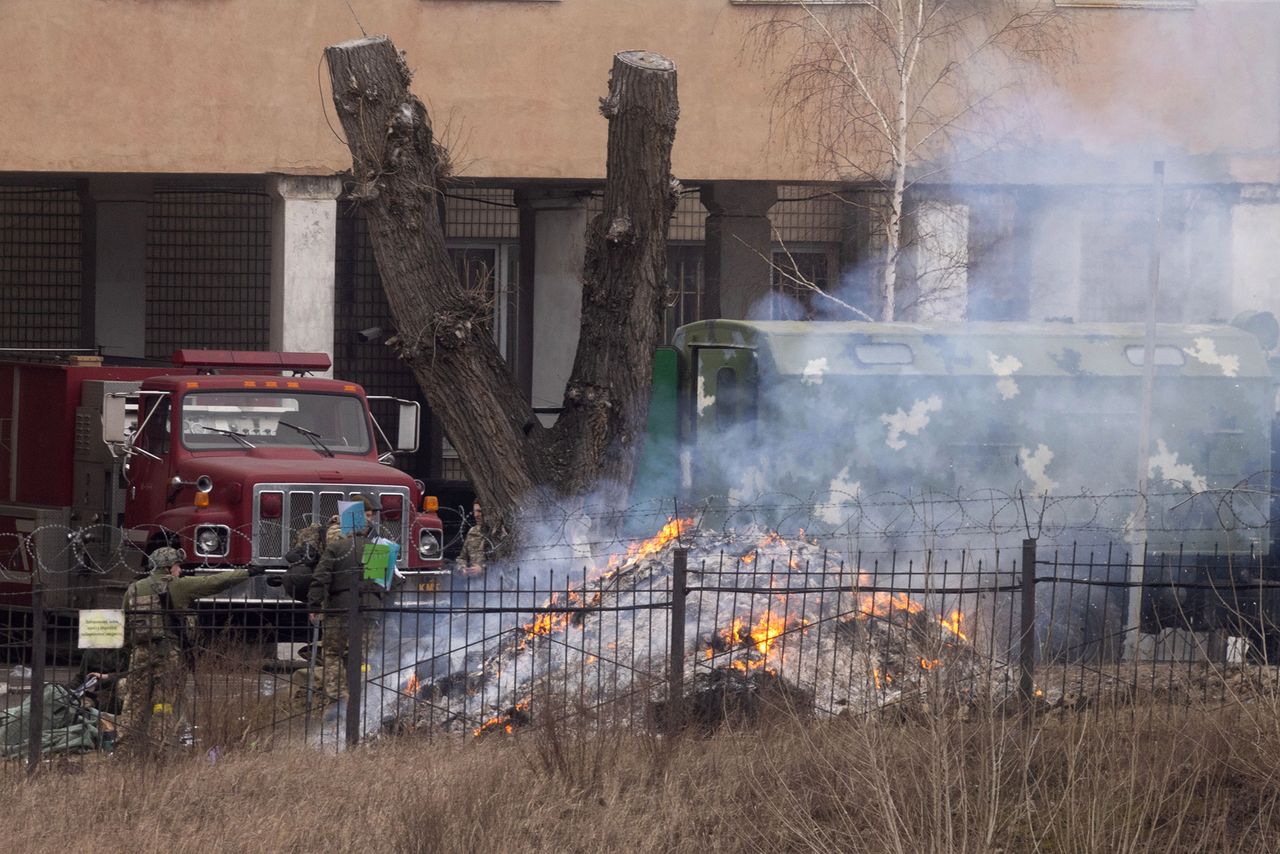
column 155, row 633
column 477, row 546
column 337, row 581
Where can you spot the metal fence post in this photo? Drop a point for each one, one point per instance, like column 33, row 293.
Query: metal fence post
column 35, row 734
column 675, row 676
column 355, row 667
column 1027, row 619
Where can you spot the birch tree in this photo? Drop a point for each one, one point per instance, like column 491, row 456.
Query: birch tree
column 890, row 94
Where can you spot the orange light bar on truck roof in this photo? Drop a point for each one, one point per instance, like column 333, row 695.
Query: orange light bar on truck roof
column 252, row 360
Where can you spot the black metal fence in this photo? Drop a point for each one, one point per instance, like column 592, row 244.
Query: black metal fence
column 678, row 632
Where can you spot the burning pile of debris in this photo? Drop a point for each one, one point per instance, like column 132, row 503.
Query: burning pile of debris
column 764, row 613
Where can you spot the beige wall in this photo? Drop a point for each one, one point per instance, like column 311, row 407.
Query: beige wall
column 231, row 85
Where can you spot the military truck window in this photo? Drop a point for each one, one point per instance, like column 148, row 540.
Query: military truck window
column 883, row 354
column 239, row 419
column 155, row 436
column 1164, row 355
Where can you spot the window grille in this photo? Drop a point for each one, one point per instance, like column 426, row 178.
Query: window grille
column 807, row 215
column 796, row 272
column 208, row 270
column 40, row 271
column 684, row 286
column 481, row 213
column 689, row 221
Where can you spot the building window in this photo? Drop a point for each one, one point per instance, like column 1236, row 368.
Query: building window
column 40, row 253
column 799, row 273
column 492, row 267
column 684, row 287
column 998, row 268
column 208, row 269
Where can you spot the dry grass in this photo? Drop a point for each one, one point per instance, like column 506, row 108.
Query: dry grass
column 1139, row 779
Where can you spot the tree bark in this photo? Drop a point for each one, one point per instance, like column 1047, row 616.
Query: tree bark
column 398, row 169
column 601, row 431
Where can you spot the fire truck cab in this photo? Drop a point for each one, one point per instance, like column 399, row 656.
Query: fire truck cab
column 226, row 454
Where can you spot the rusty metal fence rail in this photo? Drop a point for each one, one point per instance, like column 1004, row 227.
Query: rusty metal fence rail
column 683, row 635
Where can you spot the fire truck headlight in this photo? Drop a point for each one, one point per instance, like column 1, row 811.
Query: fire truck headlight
column 212, row 540
column 429, row 547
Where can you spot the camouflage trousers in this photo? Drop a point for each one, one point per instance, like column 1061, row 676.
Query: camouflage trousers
column 335, row 646
column 152, row 710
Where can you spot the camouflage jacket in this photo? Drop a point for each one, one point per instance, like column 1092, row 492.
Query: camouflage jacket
column 153, row 604
column 339, row 574
column 476, row 548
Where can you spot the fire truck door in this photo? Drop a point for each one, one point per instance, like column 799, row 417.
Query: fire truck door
column 150, row 465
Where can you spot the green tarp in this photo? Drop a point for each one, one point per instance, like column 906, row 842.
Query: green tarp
column 68, row 726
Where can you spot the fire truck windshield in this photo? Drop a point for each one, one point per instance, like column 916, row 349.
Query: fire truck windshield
column 219, row 420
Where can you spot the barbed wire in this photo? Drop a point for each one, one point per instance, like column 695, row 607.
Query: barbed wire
column 552, row 533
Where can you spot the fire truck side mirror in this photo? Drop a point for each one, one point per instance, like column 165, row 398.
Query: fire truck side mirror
column 407, row 428
column 114, row 419
column 408, row 415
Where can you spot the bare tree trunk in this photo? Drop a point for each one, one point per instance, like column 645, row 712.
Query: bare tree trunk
column 624, row 278
column 892, row 247
column 442, row 326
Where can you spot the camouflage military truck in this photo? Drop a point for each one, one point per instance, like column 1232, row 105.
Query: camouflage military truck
column 848, row 418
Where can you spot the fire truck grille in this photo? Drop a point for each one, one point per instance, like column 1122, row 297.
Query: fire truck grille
column 292, row 507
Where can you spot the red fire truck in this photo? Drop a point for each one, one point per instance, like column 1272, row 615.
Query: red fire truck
column 226, row 454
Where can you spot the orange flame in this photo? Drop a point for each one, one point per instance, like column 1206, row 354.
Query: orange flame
column 503, row 721
column 673, row 529
column 646, row 548
column 412, row 685
column 762, row 637
column 881, row 603
column 767, row 631
column 930, row 663
column 952, row 624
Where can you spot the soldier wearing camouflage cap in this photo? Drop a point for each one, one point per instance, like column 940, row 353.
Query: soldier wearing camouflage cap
column 156, row 630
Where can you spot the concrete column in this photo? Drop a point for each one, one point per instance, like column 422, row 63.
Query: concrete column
column 739, row 240
column 303, row 240
column 1255, row 249
column 941, row 262
column 559, row 226
column 1054, row 231
column 114, row 299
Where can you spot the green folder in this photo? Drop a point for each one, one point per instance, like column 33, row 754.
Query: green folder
column 379, row 561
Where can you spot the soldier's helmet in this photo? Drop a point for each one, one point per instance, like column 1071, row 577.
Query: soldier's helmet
column 311, row 535
column 165, row 557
